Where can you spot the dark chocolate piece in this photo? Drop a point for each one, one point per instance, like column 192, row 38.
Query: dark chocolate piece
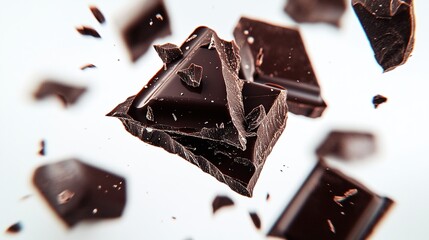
column 14, row 228
column 220, row 202
column 255, row 219
column 68, row 94
column 168, row 52
column 151, row 22
column 97, row 14
column 42, row 150
column 88, row 31
column 268, row 197
column 378, row 99
column 191, row 75
column 206, row 125
column 86, row 66
column 276, row 56
column 389, row 26
column 347, row 145
column 331, row 205
column 78, row 191
column 311, row 11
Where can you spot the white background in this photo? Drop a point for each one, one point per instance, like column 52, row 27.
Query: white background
column 38, row 40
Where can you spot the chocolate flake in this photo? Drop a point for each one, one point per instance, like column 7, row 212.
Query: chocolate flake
column 88, row 31
column 168, row 52
column 255, row 219
column 220, row 202
column 310, row 11
column 191, row 75
column 14, row 228
column 378, row 99
column 68, row 94
column 97, row 14
column 86, row 66
column 42, row 150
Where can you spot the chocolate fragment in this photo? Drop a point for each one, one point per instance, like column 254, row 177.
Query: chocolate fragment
column 97, row 14
column 347, row 145
column 86, row 66
column 168, row 52
column 68, row 94
column 206, row 124
column 42, row 150
column 378, row 99
column 149, row 23
column 310, row 11
column 315, row 214
column 88, row 31
column 191, row 75
column 255, row 219
column 276, row 56
column 389, row 26
column 268, row 197
column 14, row 228
column 78, row 191
column 220, row 202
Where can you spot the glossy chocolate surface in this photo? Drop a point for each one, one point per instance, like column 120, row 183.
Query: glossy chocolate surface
column 330, row 205
column 276, row 56
column 311, row 11
column 78, row 191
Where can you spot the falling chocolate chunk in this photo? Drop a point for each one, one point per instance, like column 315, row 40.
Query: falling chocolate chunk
column 389, row 26
column 313, row 214
column 86, row 66
column 210, row 129
column 14, row 228
column 88, row 31
column 68, row 94
column 347, row 145
column 97, row 14
column 276, row 56
column 220, row 202
column 149, row 22
column 191, row 75
column 42, row 150
column 168, row 52
column 255, row 219
column 268, row 197
column 310, row 11
column 78, row 191
column 378, row 99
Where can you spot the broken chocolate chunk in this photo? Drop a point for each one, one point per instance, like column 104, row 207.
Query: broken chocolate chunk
column 14, row 228
column 314, row 212
column 220, row 202
column 86, row 66
column 206, row 125
column 347, row 145
column 68, row 94
column 78, row 191
column 97, row 14
column 255, row 219
column 276, row 56
column 310, row 11
column 191, row 75
column 168, row 52
column 146, row 22
column 42, row 150
column 378, row 99
column 389, row 26
column 88, row 31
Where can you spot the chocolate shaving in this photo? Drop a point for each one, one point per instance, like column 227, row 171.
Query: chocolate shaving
column 97, row 14
column 88, row 31
column 378, row 99
column 68, row 94
column 220, row 202
column 191, row 75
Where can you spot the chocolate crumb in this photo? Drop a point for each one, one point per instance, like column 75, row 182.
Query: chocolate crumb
column 14, row 228
column 268, row 197
column 97, row 14
column 378, row 99
column 88, row 31
column 168, row 52
column 221, row 201
column 42, row 148
column 256, row 220
column 173, row 217
column 191, row 75
column 86, row 66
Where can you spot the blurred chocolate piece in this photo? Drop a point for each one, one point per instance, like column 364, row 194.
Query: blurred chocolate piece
column 255, row 219
column 88, row 31
column 310, row 11
column 86, row 66
column 14, row 228
column 206, row 125
column 68, row 94
column 42, row 150
column 220, row 202
column 347, row 145
column 276, row 56
column 378, row 99
column 315, row 212
column 268, row 197
column 97, row 14
column 191, row 75
column 389, row 26
column 168, row 52
column 78, row 191
column 147, row 22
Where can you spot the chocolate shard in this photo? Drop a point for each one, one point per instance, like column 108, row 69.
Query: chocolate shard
column 276, row 56
column 255, row 117
column 68, row 94
column 389, row 26
column 255, row 219
column 378, row 99
column 42, row 150
column 220, row 202
column 314, row 212
column 145, row 23
column 78, row 191
column 97, row 14
column 168, row 52
column 206, row 125
column 14, row 228
column 86, row 66
column 88, row 31
column 191, row 75
column 347, row 145
column 310, row 11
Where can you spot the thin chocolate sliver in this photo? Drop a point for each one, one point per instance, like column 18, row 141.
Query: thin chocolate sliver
column 88, row 31
column 389, row 26
column 14, row 228
column 255, row 219
column 86, row 66
column 378, row 99
column 68, row 94
column 310, row 11
column 97, row 14
column 220, row 202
